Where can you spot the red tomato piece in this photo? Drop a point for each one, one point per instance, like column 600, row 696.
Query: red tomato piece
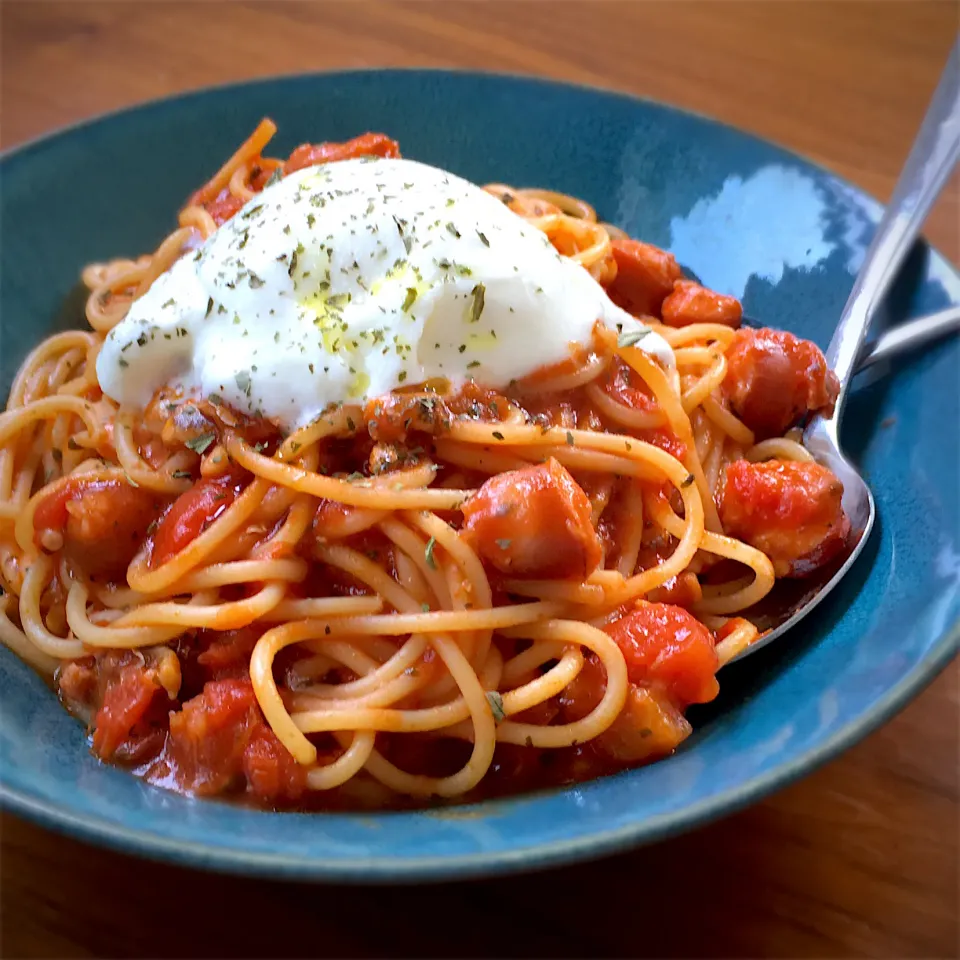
column 271, row 771
column 103, row 522
column 130, row 690
column 191, row 513
column 333, row 521
column 123, row 695
column 774, row 379
column 623, row 384
column 645, row 275
column 689, row 302
column 534, row 522
column 209, row 734
column 668, row 647
column 791, row 511
column 583, row 694
column 665, row 439
column 224, row 206
column 219, row 739
column 366, row 145
column 228, row 653
column 392, row 417
column 77, row 683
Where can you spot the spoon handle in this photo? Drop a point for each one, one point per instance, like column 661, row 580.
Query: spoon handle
column 909, row 336
column 932, row 158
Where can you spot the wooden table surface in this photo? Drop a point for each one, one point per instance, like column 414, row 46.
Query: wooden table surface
column 861, row 857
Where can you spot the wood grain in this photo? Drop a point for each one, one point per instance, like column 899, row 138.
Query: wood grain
column 860, row 858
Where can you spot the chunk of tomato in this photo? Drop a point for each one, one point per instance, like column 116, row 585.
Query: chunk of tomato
column 667, row 646
column 534, row 522
column 192, row 512
column 645, row 275
column 774, row 379
column 792, row 511
column 219, row 739
column 103, row 522
column 366, row 145
column 689, row 302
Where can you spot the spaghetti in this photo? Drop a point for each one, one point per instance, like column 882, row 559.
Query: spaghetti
column 443, row 593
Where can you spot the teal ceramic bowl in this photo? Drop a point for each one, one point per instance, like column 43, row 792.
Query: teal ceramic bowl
column 747, row 218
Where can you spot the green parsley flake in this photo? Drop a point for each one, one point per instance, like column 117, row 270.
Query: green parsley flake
column 476, row 307
column 496, row 706
column 428, row 553
column 200, row 444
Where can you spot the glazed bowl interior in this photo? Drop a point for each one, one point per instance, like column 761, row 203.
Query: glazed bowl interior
column 743, row 216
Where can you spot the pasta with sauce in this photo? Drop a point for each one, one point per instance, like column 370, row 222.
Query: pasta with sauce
column 497, row 574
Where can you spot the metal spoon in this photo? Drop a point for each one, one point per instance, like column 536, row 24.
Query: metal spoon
column 932, row 158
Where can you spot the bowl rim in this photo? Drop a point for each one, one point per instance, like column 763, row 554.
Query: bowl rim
column 533, row 79
column 377, row 869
